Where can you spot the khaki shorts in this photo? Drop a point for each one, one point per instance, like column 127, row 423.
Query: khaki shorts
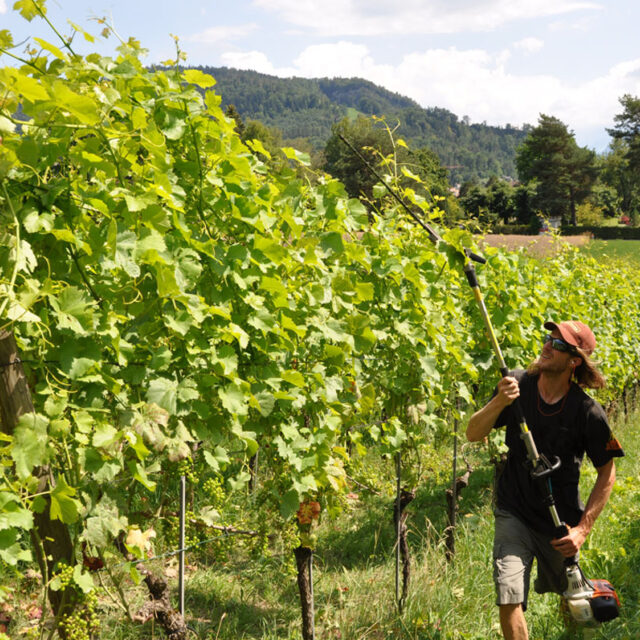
column 514, row 548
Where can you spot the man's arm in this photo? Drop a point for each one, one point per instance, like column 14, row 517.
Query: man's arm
column 483, row 420
column 570, row 544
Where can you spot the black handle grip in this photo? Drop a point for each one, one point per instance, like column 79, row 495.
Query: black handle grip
column 560, row 532
column 475, row 257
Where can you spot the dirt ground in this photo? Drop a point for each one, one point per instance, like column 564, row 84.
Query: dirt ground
column 542, row 245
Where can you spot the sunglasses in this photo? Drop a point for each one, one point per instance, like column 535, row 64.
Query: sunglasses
column 559, row 345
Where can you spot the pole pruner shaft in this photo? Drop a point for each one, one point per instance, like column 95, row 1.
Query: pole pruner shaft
column 525, row 434
column 541, row 466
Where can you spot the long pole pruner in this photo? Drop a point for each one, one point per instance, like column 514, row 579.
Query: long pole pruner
column 541, row 467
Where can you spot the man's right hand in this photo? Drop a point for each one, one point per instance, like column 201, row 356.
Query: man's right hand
column 483, row 420
column 508, row 390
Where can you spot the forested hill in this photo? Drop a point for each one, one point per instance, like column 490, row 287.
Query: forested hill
column 307, row 108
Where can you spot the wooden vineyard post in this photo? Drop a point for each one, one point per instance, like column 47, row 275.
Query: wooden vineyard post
column 452, row 500
column 304, row 560
column 50, row 538
column 403, row 498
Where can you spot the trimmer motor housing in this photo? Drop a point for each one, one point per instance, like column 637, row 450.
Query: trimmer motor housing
column 590, row 602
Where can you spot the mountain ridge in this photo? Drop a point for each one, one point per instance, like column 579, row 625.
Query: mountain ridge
column 309, row 107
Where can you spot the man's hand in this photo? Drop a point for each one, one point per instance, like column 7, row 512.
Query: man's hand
column 483, row 420
column 508, row 390
column 570, row 544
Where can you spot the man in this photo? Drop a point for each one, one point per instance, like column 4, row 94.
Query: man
column 565, row 423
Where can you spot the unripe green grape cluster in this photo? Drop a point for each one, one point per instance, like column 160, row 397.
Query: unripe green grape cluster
column 260, row 544
column 192, row 535
column 64, row 576
column 290, row 540
column 186, row 468
column 214, row 491
column 84, row 622
column 216, row 549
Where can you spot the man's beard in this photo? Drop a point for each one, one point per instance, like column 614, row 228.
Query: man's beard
column 546, row 366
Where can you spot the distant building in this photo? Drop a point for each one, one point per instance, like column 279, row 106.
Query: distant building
column 547, row 224
column 555, row 222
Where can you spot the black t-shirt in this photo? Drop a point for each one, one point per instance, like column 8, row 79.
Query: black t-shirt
column 575, row 425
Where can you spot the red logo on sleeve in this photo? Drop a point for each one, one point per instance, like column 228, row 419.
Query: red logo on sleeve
column 613, row 445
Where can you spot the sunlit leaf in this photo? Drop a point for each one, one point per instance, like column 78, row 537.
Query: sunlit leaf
column 28, row 8
column 63, row 504
column 199, row 78
column 51, row 49
column 74, row 310
column 233, row 399
column 29, row 447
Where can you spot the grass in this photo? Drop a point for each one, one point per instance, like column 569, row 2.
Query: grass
column 603, row 250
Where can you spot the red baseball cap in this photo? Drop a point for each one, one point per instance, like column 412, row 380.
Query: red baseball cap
column 575, row 333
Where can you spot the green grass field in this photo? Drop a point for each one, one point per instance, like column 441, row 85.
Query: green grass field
column 618, row 249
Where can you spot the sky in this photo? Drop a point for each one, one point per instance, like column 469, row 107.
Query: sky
column 494, row 61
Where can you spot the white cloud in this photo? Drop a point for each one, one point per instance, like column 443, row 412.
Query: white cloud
column 583, row 24
column 376, row 17
column 596, row 101
column 254, row 60
column 474, row 83
column 3, row 6
column 343, row 59
column 529, row 45
column 221, row 34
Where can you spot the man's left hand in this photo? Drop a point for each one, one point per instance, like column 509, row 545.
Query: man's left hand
column 570, row 544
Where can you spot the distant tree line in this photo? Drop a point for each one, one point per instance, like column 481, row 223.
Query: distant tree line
column 558, row 178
